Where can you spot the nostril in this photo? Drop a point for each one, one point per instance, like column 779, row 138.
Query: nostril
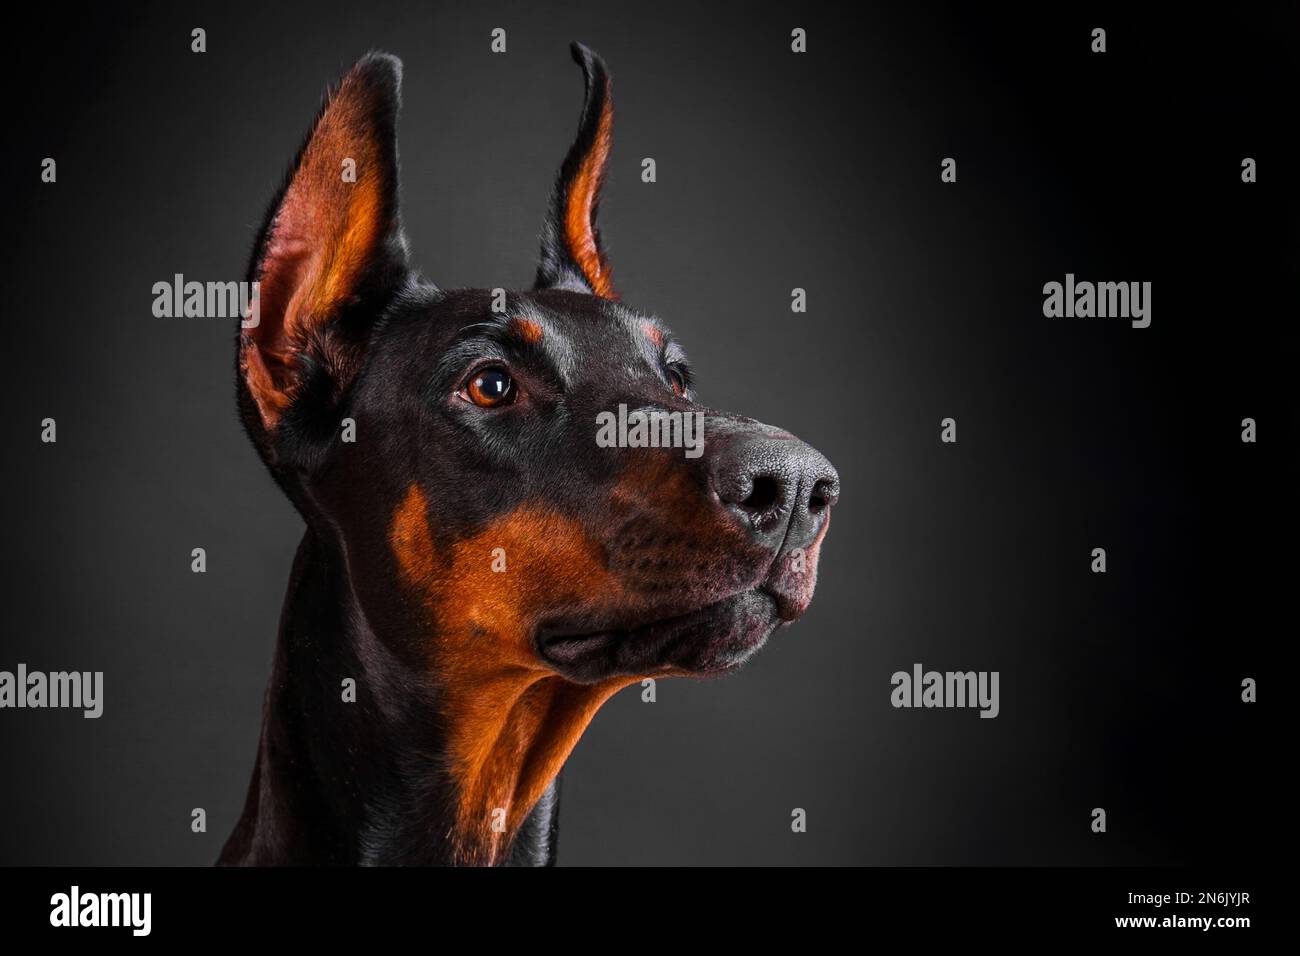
column 823, row 496
column 764, row 494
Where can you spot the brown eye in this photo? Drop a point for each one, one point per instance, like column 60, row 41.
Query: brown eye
column 678, row 380
column 490, row 387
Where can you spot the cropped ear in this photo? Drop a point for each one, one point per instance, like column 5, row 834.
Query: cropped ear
column 329, row 254
column 572, row 255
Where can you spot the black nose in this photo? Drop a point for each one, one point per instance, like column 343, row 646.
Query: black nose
column 779, row 487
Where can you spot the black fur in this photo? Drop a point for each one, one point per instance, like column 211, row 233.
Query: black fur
column 707, row 551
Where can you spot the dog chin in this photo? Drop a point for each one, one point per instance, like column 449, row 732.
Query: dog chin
column 711, row 640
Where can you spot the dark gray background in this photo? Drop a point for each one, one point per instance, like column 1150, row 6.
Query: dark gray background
column 775, row 170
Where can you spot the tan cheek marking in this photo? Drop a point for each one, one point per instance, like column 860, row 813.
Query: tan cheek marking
column 511, row 721
column 550, row 563
column 410, row 540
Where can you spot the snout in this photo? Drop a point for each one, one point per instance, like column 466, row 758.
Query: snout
column 779, row 488
column 708, row 553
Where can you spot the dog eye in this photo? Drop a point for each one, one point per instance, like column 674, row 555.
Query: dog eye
column 489, row 388
column 677, row 376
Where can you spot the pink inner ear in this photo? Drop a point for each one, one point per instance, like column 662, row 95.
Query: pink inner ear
column 326, row 233
column 306, row 237
column 270, row 348
column 288, row 271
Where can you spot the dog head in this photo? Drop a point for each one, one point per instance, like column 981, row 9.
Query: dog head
column 521, row 499
column 528, row 473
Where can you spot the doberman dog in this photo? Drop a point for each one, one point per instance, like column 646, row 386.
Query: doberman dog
column 478, row 573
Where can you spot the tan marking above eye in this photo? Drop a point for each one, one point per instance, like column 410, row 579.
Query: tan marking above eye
column 653, row 333
column 530, row 330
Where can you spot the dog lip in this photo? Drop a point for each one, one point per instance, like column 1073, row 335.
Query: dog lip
column 566, row 648
column 787, row 609
column 570, row 649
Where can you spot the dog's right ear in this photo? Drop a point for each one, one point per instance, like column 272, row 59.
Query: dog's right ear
column 329, row 255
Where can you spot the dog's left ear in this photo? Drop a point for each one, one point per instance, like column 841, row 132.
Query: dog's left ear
column 572, row 254
column 330, row 252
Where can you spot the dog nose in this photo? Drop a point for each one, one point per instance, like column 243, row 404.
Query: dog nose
column 779, row 487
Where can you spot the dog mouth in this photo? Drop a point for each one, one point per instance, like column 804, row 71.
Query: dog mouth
column 709, row 640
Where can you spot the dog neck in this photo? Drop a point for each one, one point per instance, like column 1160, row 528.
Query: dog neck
column 400, row 767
